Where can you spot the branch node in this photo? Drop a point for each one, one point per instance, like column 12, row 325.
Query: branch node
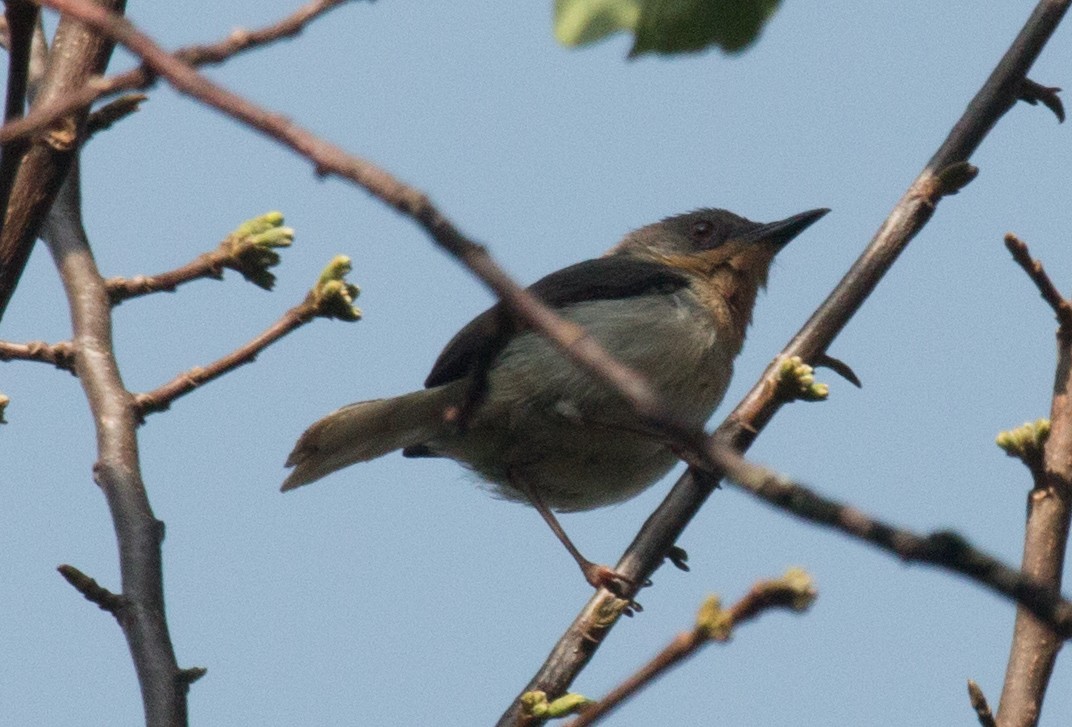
column 91, row 590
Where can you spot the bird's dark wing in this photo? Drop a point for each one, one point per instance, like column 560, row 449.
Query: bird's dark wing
column 605, row 278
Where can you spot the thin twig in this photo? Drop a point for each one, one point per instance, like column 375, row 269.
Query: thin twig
column 160, row 399
column 944, row 549
column 207, row 265
column 60, row 355
column 794, row 591
column 113, row 111
column 1061, row 307
column 141, row 78
column 980, row 705
column 662, row 529
column 93, row 591
column 1035, row 642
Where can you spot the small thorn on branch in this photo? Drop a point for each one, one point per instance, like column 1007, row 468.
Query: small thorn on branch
column 839, row 367
column 1061, row 307
column 93, row 591
column 1035, row 93
column 980, row 705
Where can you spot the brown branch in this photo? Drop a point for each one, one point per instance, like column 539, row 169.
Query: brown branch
column 248, row 250
column 1061, row 307
column 117, row 470
column 980, row 705
column 112, row 112
column 141, row 78
column 331, row 297
column 662, row 529
column 60, row 355
column 794, row 591
column 945, row 549
column 1049, row 512
column 93, row 591
column 78, row 54
column 160, row 399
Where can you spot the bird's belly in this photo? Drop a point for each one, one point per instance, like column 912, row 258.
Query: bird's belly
column 549, row 426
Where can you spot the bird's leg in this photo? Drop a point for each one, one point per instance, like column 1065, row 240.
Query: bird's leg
column 598, row 576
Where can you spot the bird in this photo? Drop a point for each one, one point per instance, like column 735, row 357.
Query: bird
column 672, row 300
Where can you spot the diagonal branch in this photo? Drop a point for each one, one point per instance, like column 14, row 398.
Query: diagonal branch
column 142, row 77
column 1061, row 307
column 332, row 297
column 793, row 591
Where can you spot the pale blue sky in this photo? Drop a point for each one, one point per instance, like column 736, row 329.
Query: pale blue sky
column 397, row 592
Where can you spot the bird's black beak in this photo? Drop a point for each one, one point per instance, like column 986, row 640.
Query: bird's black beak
column 779, row 233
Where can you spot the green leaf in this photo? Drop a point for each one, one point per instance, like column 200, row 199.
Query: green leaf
column 679, row 26
column 579, row 22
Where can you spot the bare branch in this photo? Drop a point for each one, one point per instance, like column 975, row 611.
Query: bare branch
column 110, row 113
column 980, row 705
column 793, row 591
column 331, row 298
column 93, row 591
column 1049, row 512
column 141, row 78
column 60, row 355
column 1061, row 307
column 117, row 470
column 944, row 549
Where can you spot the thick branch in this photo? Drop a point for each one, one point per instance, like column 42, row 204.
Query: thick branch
column 915, row 208
column 141, row 610
column 78, row 53
column 1049, row 510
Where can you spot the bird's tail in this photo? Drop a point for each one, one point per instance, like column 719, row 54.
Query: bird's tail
column 366, row 430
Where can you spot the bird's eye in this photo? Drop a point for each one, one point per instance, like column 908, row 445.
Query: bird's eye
column 702, row 230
